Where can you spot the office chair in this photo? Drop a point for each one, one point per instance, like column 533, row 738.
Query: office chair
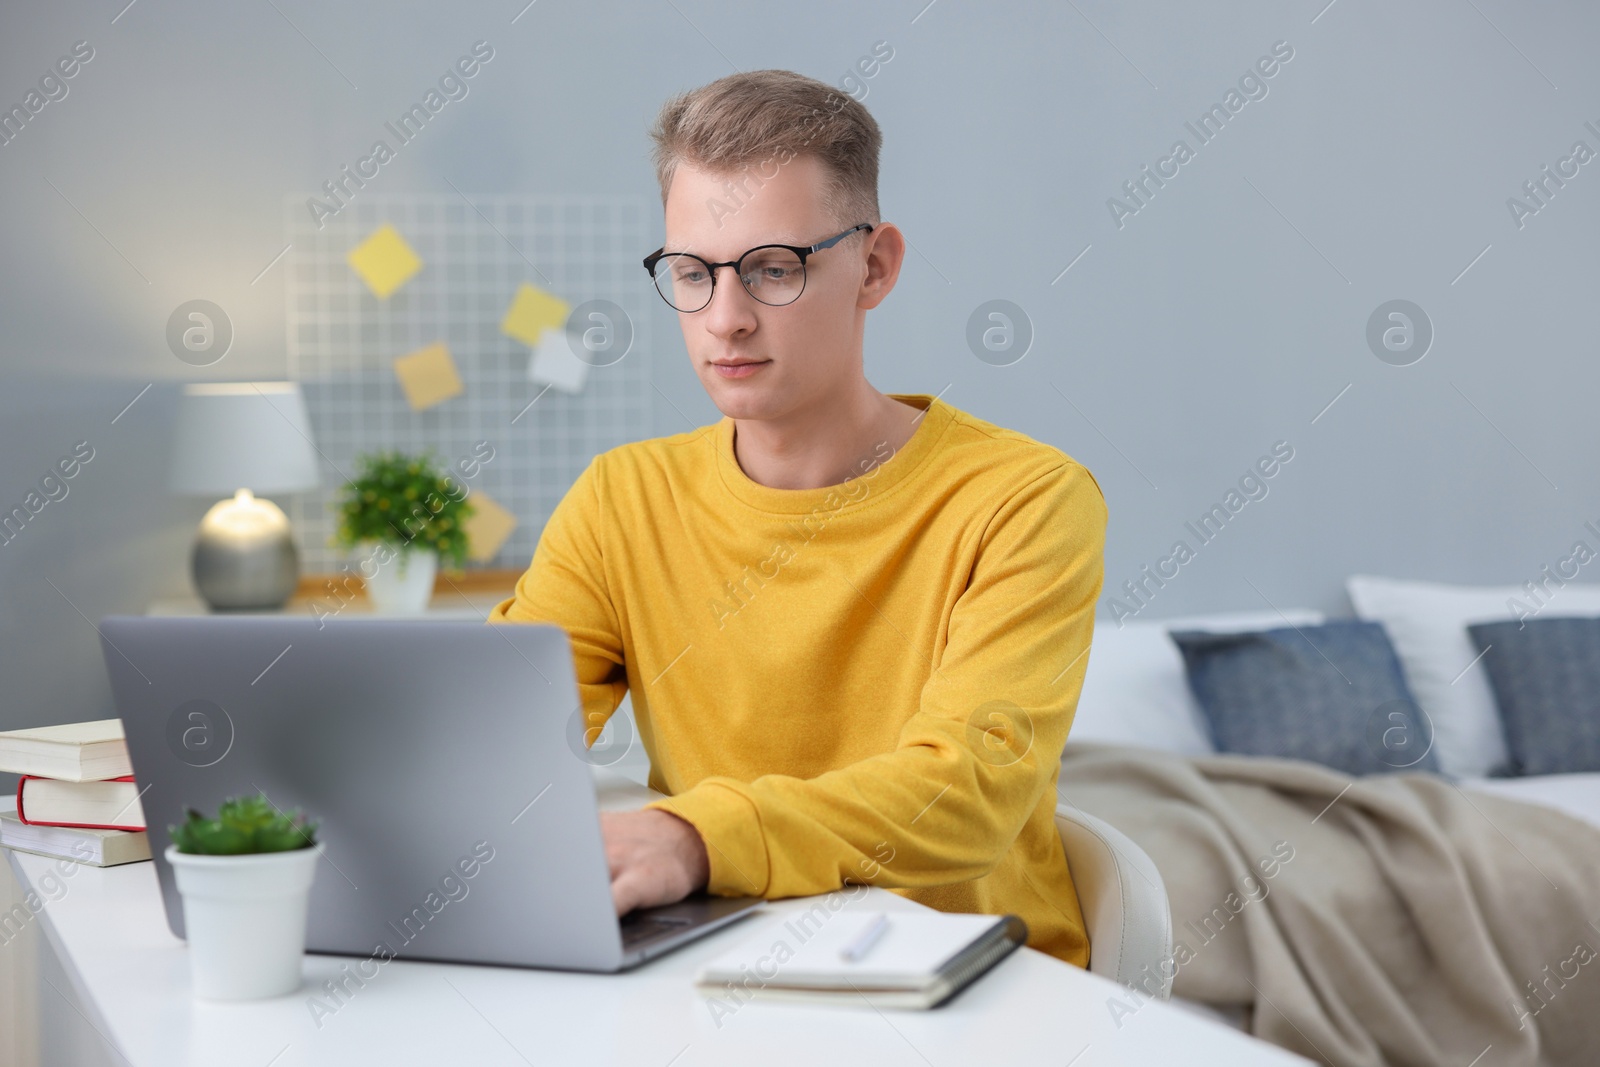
column 1124, row 903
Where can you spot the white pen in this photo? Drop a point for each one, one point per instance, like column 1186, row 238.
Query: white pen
column 866, row 938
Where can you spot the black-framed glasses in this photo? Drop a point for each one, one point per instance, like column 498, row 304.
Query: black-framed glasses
column 773, row 274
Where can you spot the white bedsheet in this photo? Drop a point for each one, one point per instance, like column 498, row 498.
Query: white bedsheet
column 1577, row 795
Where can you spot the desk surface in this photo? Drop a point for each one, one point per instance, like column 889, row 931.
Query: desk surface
column 470, row 595
column 131, row 981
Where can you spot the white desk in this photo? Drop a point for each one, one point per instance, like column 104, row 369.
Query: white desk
column 115, row 990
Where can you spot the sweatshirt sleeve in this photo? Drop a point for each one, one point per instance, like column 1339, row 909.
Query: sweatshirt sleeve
column 566, row 586
column 982, row 747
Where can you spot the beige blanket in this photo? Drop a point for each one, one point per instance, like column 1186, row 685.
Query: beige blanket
column 1385, row 920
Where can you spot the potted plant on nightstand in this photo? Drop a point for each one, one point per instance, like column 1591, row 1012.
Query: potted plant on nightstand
column 245, row 878
column 406, row 517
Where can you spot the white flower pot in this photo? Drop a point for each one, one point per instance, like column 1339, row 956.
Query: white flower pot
column 403, row 585
column 245, row 920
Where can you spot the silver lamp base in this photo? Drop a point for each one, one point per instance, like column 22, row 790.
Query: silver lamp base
column 244, row 557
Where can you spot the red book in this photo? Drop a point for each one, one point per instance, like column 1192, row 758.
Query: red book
column 107, row 804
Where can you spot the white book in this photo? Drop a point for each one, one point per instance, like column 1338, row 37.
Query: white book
column 108, row 805
column 73, row 752
column 96, row 848
column 907, row 959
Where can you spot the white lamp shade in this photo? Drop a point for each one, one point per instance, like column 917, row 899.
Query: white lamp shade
column 243, row 435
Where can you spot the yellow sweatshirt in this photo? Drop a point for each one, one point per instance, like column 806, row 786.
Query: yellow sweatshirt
column 865, row 683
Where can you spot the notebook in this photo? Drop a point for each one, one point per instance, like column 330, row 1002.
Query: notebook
column 919, row 959
column 74, row 751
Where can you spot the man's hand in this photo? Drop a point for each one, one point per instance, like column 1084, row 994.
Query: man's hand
column 655, row 858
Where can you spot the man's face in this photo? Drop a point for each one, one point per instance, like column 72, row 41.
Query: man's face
column 795, row 355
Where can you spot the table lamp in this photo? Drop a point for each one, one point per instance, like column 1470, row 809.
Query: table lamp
column 243, row 438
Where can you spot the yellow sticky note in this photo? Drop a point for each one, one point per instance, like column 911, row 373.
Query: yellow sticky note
column 531, row 311
column 428, row 376
column 384, row 261
column 488, row 528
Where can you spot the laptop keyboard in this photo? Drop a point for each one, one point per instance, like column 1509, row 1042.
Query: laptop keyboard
column 637, row 928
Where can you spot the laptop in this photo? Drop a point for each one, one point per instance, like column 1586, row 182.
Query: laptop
column 443, row 761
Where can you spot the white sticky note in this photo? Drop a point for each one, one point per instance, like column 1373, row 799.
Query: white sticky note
column 553, row 362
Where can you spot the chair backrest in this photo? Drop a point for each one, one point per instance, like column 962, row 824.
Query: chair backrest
column 1124, row 903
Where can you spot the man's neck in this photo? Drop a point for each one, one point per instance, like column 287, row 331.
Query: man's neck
column 819, row 447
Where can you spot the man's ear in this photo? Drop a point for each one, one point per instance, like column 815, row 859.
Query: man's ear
column 886, row 252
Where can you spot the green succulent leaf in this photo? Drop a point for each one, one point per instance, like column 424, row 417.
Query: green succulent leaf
column 243, row 826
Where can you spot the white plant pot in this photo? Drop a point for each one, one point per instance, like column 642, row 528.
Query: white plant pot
column 404, row 585
column 245, row 920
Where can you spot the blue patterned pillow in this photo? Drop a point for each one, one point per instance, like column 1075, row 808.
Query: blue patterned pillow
column 1333, row 694
column 1546, row 679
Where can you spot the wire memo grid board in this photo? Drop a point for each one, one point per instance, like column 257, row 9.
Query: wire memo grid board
column 343, row 342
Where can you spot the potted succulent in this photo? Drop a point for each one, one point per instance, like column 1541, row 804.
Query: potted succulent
column 245, row 878
column 406, row 517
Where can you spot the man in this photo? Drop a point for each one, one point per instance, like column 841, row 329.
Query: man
column 854, row 625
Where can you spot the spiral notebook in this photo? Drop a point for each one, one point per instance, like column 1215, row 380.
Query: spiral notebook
column 916, row 959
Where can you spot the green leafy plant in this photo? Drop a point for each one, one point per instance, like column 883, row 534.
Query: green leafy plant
column 405, row 501
column 244, row 825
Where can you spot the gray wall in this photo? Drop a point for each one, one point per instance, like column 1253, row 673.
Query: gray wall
column 1224, row 316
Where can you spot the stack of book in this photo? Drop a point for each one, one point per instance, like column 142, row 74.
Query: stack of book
column 77, row 799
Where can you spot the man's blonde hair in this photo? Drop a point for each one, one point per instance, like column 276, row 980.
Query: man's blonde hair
column 748, row 125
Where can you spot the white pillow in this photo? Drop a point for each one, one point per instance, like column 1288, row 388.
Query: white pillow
column 1427, row 623
column 1136, row 691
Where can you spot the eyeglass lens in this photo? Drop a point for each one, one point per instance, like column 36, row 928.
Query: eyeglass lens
column 773, row 276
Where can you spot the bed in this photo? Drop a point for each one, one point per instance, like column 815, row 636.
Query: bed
column 1137, row 696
